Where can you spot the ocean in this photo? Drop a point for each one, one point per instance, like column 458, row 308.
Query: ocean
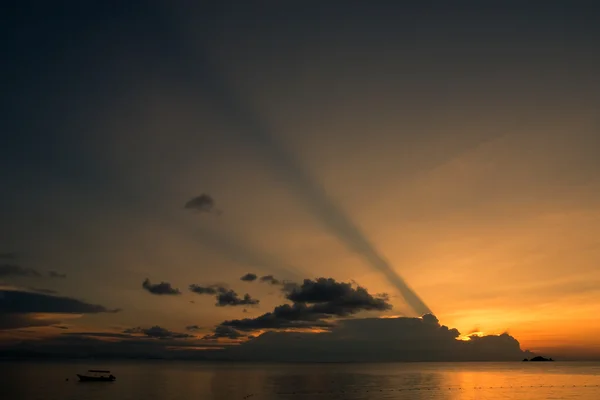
column 175, row 380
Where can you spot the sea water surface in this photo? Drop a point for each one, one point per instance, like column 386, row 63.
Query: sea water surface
column 171, row 380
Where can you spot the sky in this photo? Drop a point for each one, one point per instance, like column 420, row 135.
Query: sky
column 377, row 172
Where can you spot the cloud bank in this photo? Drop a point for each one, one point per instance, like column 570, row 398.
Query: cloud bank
column 379, row 340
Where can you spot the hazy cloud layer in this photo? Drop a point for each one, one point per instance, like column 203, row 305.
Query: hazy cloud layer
column 249, row 277
column 163, row 288
column 158, row 333
column 9, row 270
column 252, row 129
column 54, row 274
column 380, row 339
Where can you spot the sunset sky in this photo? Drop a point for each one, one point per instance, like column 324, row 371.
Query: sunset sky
column 452, row 146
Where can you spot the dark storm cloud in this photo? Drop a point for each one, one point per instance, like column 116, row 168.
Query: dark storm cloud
column 337, row 298
column 314, row 302
column 163, row 288
column 20, row 302
column 8, row 256
column 8, row 270
column 231, row 298
column 224, row 332
column 158, row 333
column 54, row 274
column 202, row 203
column 386, row 339
column 249, row 277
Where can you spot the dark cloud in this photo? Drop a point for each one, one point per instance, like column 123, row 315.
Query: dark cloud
column 54, row 274
column 380, row 339
column 163, row 288
column 249, row 277
column 211, row 289
column 21, row 302
column 158, row 333
column 231, row 298
column 202, row 203
column 337, row 298
column 314, row 302
column 224, row 332
column 270, row 279
column 8, row 270
column 64, row 327
column 282, row 317
column 223, row 295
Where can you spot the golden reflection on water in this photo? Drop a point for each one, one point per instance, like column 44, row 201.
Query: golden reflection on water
column 163, row 380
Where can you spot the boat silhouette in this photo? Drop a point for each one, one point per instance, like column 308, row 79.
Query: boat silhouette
column 97, row 375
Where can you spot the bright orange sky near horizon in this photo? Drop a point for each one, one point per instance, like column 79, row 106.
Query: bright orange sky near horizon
column 469, row 162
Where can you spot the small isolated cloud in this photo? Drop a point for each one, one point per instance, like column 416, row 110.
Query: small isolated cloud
column 210, row 289
column 223, row 295
column 270, row 279
column 163, row 288
column 202, row 203
column 231, row 298
column 64, row 327
column 158, row 332
column 224, row 332
column 12, row 270
column 192, row 328
column 54, row 274
column 249, row 277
